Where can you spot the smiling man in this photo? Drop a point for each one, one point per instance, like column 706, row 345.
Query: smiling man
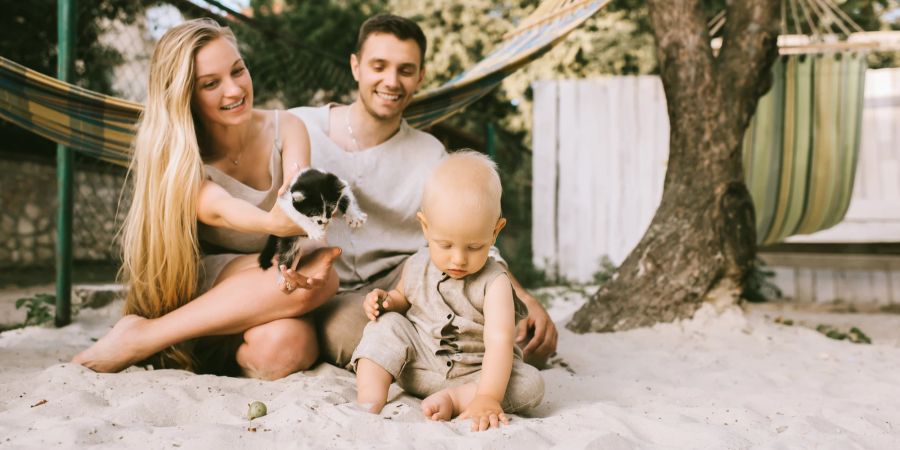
column 386, row 162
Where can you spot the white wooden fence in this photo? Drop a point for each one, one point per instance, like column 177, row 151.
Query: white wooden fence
column 600, row 152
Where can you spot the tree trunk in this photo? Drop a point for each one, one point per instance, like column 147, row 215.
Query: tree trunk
column 702, row 239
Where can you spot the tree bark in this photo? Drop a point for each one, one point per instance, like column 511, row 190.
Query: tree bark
column 702, row 239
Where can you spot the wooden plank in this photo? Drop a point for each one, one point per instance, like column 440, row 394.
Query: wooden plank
column 887, row 231
column 832, row 261
column 590, row 213
column 616, row 207
column 879, row 287
column 647, row 102
column 824, row 285
column 894, row 286
column 842, row 290
column 785, row 279
column 803, row 286
column 860, row 284
column 872, row 210
column 600, row 175
column 544, row 165
column 567, row 137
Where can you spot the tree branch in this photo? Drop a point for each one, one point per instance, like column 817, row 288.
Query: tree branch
column 749, row 47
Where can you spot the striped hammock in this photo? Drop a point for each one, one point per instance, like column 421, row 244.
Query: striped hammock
column 801, row 147
column 103, row 126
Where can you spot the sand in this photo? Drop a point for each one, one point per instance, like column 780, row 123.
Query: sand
column 721, row 380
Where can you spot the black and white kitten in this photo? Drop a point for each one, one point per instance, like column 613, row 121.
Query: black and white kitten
column 313, row 198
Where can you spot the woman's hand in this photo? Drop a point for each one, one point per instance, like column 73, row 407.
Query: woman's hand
column 279, row 224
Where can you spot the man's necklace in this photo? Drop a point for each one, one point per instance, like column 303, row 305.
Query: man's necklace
column 350, row 128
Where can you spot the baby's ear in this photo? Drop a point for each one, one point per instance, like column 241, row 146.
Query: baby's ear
column 423, row 221
column 298, row 196
column 500, row 224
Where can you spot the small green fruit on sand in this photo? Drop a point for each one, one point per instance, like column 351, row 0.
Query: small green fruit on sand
column 257, row 409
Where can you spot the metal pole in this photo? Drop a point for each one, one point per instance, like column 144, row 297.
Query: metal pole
column 66, row 43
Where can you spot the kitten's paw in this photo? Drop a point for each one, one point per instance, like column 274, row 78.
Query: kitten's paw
column 356, row 219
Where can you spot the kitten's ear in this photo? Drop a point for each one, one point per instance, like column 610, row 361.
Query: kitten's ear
column 298, row 196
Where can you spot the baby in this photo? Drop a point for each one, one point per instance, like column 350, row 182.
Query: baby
column 446, row 332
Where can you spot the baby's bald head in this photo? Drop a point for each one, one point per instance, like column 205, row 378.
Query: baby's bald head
column 460, row 214
column 465, row 181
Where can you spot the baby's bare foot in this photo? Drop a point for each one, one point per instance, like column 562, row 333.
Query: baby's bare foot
column 438, row 406
column 115, row 351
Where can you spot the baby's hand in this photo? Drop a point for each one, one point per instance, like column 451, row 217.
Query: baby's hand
column 376, row 303
column 485, row 413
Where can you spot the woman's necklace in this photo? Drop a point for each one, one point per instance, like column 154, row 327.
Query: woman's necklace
column 238, row 159
column 350, row 128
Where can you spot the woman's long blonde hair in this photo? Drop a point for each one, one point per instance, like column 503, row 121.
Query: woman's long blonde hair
column 161, row 251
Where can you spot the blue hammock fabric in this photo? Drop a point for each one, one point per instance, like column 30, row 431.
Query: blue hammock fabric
column 103, row 126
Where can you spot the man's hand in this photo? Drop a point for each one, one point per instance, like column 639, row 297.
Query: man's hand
column 485, row 413
column 536, row 334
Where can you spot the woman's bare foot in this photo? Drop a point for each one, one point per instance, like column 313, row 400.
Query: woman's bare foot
column 117, row 350
column 438, row 406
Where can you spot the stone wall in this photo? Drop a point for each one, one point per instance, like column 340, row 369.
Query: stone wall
column 28, row 210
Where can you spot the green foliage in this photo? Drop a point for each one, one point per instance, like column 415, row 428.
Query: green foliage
column 301, row 55
column 855, row 335
column 516, row 250
column 605, row 272
column 784, row 321
column 28, row 36
column 38, row 309
column 757, row 284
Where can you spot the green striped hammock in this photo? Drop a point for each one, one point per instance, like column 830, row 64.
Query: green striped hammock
column 801, row 147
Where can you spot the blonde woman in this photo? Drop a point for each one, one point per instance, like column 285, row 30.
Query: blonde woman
column 207, row 168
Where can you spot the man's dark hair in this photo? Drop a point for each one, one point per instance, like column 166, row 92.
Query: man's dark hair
column 401, row 27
